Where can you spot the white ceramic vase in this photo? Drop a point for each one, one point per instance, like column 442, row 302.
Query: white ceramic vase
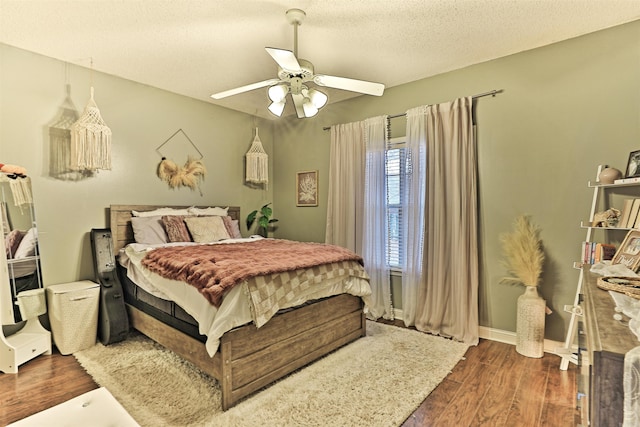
column 530, row 323
column 609, row 175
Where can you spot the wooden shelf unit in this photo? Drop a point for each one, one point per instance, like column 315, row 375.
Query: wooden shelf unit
column 568, row 353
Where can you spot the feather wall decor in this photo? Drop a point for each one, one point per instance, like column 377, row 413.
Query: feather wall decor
column 176, row 176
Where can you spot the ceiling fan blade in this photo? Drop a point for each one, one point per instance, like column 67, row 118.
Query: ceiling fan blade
column 285, row 59
column 246, row 88
column 298, row 100
column 369, row 88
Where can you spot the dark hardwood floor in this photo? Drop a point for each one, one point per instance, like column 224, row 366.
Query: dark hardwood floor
column 496, row 386
column 493, row 386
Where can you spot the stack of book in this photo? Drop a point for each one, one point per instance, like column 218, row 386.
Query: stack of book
column 633, row 180
column 593, row 252
column 630, row 214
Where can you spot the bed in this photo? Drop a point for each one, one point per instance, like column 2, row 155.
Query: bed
column 246, row 358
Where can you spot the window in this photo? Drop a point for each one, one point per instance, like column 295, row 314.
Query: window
column 396, row 174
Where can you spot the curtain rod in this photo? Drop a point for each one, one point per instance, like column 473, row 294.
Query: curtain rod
column 480, row 95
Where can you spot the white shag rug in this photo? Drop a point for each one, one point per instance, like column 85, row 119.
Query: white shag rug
column 378, row 380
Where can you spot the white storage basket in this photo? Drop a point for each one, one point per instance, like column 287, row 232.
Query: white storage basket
column 73, row 314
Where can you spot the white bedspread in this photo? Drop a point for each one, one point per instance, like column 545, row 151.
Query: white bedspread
column 22, row 267
column 235, row 309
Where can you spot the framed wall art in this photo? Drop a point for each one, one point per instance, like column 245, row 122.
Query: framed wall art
column 628, row 254
column 633, row 165
column 307, row 188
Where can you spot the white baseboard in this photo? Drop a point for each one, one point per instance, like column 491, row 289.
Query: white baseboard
column 499, row 335
column 507, row 337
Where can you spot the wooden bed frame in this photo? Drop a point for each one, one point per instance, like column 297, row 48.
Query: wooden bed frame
column 249, row 358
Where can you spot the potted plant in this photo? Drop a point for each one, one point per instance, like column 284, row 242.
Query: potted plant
column 524, row 260
column 264, row 220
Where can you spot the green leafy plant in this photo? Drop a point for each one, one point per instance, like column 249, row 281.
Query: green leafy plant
column 264, row 220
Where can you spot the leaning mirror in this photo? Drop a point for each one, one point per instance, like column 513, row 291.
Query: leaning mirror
column 21, row 275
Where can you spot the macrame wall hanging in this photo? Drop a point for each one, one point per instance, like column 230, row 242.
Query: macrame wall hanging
column 60, row 142
column 175, row 175
column 90, row 141
column 257, row 167
column 20, row 186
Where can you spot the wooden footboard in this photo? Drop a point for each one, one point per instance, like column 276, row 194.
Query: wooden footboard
column 250, row 358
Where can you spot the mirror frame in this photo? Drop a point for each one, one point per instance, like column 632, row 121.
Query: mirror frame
column 17, row 213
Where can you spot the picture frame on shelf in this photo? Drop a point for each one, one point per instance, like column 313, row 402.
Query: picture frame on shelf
column 307, row 188
column 628, row 254
column 633, row 165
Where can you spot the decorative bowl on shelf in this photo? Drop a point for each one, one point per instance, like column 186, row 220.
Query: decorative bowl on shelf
column 609, row 175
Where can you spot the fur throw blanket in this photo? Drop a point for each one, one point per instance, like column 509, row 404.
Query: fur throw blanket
column 214, row 269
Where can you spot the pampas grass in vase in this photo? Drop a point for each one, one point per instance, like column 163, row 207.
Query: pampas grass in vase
column 524, row 259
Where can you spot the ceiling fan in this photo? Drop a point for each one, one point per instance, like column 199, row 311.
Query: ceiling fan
column 293, row 76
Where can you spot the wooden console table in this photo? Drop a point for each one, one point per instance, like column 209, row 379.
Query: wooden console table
column 607, row 341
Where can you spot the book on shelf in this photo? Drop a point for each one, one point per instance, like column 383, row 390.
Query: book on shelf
column 604, row 251
column 593, row 252
column 627, row 180
column 635, row 208
column 624, row 214
column 636, row 224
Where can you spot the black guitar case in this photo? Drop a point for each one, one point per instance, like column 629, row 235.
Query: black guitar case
column 113, row 322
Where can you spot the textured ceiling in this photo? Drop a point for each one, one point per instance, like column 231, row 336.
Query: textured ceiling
column 198, row 47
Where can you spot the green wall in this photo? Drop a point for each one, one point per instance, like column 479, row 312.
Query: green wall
column 565, row 109
column 32, row 91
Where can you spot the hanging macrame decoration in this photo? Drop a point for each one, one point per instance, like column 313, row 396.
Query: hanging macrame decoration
column 175, row 175
column 60, row 142
column 90, row 141
column 19, row 183
column 21, row 190
column 257, row 163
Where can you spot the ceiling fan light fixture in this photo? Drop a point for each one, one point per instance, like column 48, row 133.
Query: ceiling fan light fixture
column 319, row 99
column 310, row 110
column 277, row 93
column 277, row 108
column 294, row 73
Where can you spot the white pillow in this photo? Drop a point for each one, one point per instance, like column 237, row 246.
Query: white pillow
column 208, row 211
column 205, row 229
column 149, row 230
column 27, row 246
column 161, row 211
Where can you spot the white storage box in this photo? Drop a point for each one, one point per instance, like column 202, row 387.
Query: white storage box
column 73, row 314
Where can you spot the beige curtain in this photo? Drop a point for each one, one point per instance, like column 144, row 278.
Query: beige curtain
column 346, row 186
column 440, row 281
column 357, row 203
column 374, row 240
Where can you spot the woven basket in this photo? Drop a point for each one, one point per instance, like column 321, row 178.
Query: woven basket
column 629, row 286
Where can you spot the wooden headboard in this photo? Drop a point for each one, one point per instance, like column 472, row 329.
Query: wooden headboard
column 120, row 221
